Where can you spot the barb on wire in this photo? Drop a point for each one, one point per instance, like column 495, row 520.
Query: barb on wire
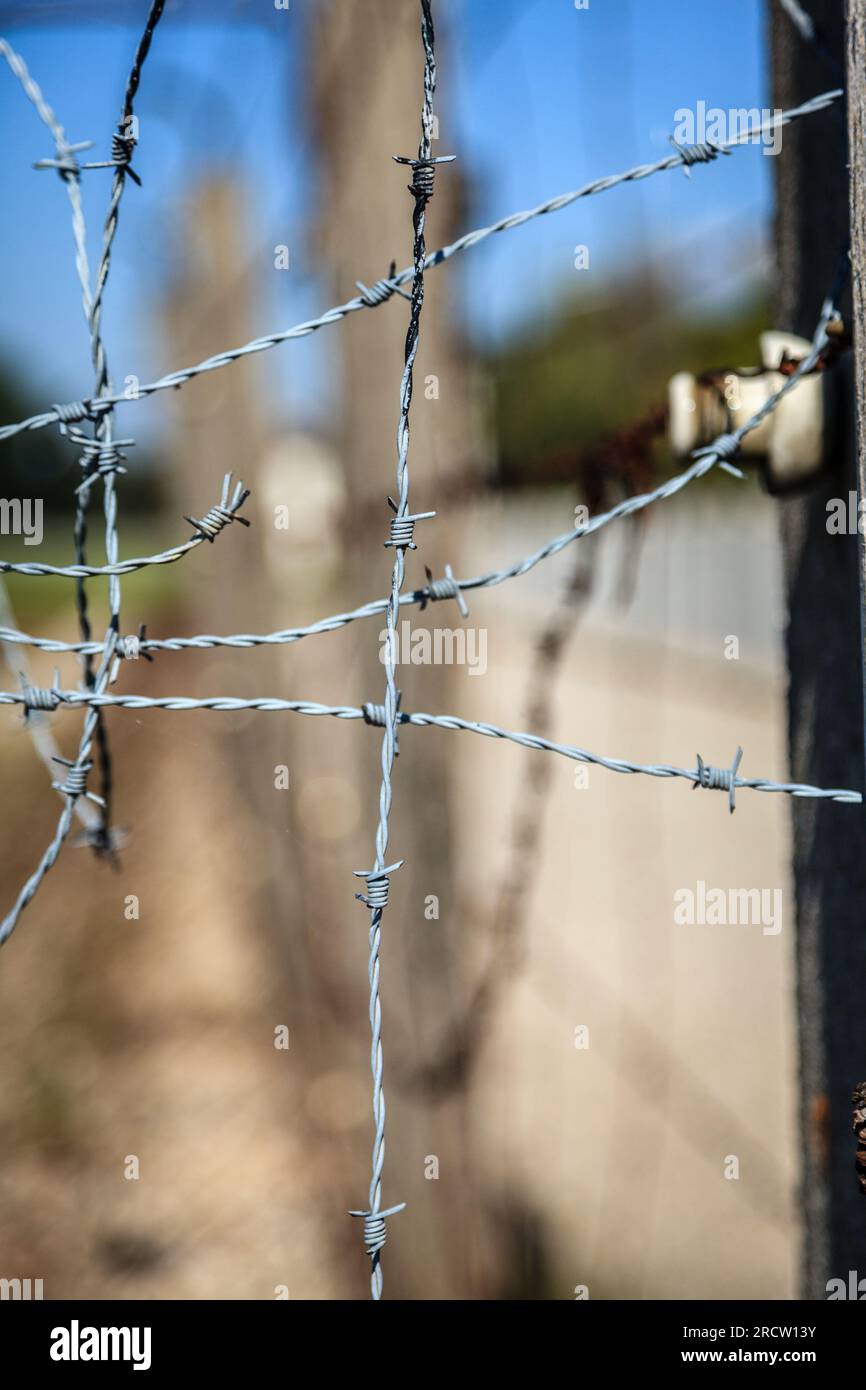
column 720, row 452
column 40, row 732
column 401, row 539
column 64, row 162
column 702, row 775
column 102, row 458
column 94, row 834
column 102, row 455
column 67, row 167
column 100, row 835
column 367, row 300
column 206, row 528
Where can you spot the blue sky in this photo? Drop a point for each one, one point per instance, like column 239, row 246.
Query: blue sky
column 542, row 97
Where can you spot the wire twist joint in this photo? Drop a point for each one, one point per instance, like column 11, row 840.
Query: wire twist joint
column 378, row 885
column 224, row 512
column 719, row 778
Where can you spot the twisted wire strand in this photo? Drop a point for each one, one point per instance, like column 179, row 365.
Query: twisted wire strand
column 702, row 775
column 99, row 410
column 401, row 538
column 207, row 529
column 122, row 143
column 66, row 164
column 104, row 425
column 435, row 258
column 99, row 835
column 721, row 451
column 698, row 776
column 71, row 801
column 40, row 729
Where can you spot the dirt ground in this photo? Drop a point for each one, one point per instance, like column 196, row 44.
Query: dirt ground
column 157, row 1144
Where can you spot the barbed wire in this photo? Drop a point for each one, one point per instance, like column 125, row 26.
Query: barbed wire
column 101, row 455
column 720, row 452
column 207, row 528
column 101, row 837
column 683, row 157
column 52, row 697
column 66, row 164
column 401, row 539
column 38, row 726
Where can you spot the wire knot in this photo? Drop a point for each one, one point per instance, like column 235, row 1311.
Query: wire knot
column 123, row 144
column 372, row 295
column 224, row 512
column 128, row 648
column 35, row 697
column 374, row 714
column 446, row 587
column 702, row 153
column 70, row 413
column 719, row 778
column 99, row 457
column 76, row 781
column 378, row 885
column 375, row 1228
column 122, row 147
column 423, row 175
column 403, row 527
column 377, row 716
column 64, row 160
column 724, row 448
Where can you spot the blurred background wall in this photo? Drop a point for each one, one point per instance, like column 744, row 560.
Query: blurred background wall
column 558, row 1164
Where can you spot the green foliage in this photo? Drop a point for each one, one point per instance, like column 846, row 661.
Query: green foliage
column 600, row 367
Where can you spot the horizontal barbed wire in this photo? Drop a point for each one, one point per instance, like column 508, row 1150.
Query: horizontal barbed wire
column 681, row 158
column 210, row 525
column 273, row 705
column 720, row 453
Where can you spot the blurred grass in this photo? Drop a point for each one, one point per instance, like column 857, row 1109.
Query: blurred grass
column 38, row 603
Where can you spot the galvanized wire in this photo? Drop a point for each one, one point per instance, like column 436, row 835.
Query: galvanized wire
column 66, row 164
column 208, row 528
column 720, row 452
column 401, row 538
column 100, row 456
column 703, row 775
column 100, row 836
column 678, row 160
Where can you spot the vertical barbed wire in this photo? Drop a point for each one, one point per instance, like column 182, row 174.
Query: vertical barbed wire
column 67, row 167
column 100, row 460
column 73, row 787
column 64, row 162
column 69, row 170
column 123, row 144
column 401, row 538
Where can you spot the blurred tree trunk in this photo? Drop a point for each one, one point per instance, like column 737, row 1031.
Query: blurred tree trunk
column 367, row 65
column 221, row 430
column 825, row 699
